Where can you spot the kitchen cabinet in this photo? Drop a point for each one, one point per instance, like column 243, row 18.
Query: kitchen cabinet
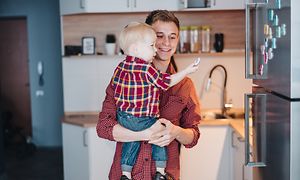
column 215, row 5
column 227, row 4
column 115, row 6
column 85, row 155
column 240, row 171
column 149, row 5
column 210, row 158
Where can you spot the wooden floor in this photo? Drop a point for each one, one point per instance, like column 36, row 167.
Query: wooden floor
column 34, row 164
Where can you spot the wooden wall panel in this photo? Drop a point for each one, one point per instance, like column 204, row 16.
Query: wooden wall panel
column 231, row 23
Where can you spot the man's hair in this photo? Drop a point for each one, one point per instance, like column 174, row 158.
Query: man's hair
column 135, row 32
column 162, row 15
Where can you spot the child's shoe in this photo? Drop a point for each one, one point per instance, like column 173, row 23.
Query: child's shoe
column 159, row 176
column 123, row 177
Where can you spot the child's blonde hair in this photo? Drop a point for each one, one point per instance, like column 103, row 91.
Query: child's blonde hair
column 135, row 32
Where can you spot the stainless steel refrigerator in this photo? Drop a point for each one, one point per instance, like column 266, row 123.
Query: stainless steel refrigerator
column 272, row 110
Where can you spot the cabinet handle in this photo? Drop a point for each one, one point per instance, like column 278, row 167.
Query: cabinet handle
column 183, row 3
column 232, row 140
column 240, row 139
column 134, row 3
column 128, row 3
column 82, row 4
column 84, row 138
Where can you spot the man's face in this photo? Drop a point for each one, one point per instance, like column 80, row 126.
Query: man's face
column 167, row 39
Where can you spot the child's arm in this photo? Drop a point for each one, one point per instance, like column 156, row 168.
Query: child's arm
column 176, row 78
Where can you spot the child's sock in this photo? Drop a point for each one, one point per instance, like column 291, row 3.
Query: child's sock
column 126, row 173
column 161, row 170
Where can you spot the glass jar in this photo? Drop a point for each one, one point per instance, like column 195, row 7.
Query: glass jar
column 205, row 37
column 194, row 39
column 184, row 41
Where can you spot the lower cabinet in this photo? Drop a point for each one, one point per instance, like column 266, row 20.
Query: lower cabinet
column 240, row 171
column 85, row 155
column 219, row 155
column 211, row 158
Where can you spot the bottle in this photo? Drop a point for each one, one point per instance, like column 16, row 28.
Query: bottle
column 184, row 41
column 205, row 36
column 194, row 39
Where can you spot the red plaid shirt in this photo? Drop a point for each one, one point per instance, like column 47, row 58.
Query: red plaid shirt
column 136, row 84
column 179, row 104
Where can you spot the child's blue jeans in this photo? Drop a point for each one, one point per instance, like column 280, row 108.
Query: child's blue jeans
column 130, row 150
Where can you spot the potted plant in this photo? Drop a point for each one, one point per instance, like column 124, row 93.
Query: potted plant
column 110, row 44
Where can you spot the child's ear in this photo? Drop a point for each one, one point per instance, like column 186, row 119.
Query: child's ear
column 133, row 49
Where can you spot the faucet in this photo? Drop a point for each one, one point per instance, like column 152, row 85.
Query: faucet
column 225, row 106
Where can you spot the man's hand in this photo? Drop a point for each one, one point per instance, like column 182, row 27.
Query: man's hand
column 151, row 132
column 165, row 135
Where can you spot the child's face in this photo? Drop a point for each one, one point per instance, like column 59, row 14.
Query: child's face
column 147, row 49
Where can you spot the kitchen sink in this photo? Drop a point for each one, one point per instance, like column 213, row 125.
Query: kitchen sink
column 216, row 114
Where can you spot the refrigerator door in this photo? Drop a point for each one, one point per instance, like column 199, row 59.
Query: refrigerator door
column 274, row 41
column 275, row 139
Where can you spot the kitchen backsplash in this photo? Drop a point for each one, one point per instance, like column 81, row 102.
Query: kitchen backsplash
column 230, row 23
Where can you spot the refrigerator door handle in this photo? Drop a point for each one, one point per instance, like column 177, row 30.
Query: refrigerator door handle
column 248, row 74
column 248, row 154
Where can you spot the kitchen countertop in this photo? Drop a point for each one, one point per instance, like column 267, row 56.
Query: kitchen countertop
column 236, row 124
column 90, row 120
column 81, row 119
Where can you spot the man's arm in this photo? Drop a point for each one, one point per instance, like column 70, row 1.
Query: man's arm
column 163, row 138
column 122, row 134
column 108, row 127
column 188, row 132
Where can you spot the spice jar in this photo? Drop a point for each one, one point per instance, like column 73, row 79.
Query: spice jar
column 184, row 41
column 194, row 39
column 205, row 37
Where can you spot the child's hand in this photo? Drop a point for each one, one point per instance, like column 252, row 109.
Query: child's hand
column 193, row 67
column 197, row 61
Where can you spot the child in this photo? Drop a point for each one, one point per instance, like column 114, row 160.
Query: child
column 136, row 84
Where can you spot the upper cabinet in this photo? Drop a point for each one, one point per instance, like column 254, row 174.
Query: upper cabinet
column 227, row 4
column 115, row 6
column 150, row 5
column 193, row 5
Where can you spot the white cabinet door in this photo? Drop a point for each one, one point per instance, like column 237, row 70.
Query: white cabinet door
column 96, row 6
column 71, row 6
column 210, row 159
column 227, row 4
column 238, row 156
column 113, row 6
column 214, row 5
column 240, row 171
column 101, row 154
column 75, row 152
column 149, row 5
column 86, row 156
